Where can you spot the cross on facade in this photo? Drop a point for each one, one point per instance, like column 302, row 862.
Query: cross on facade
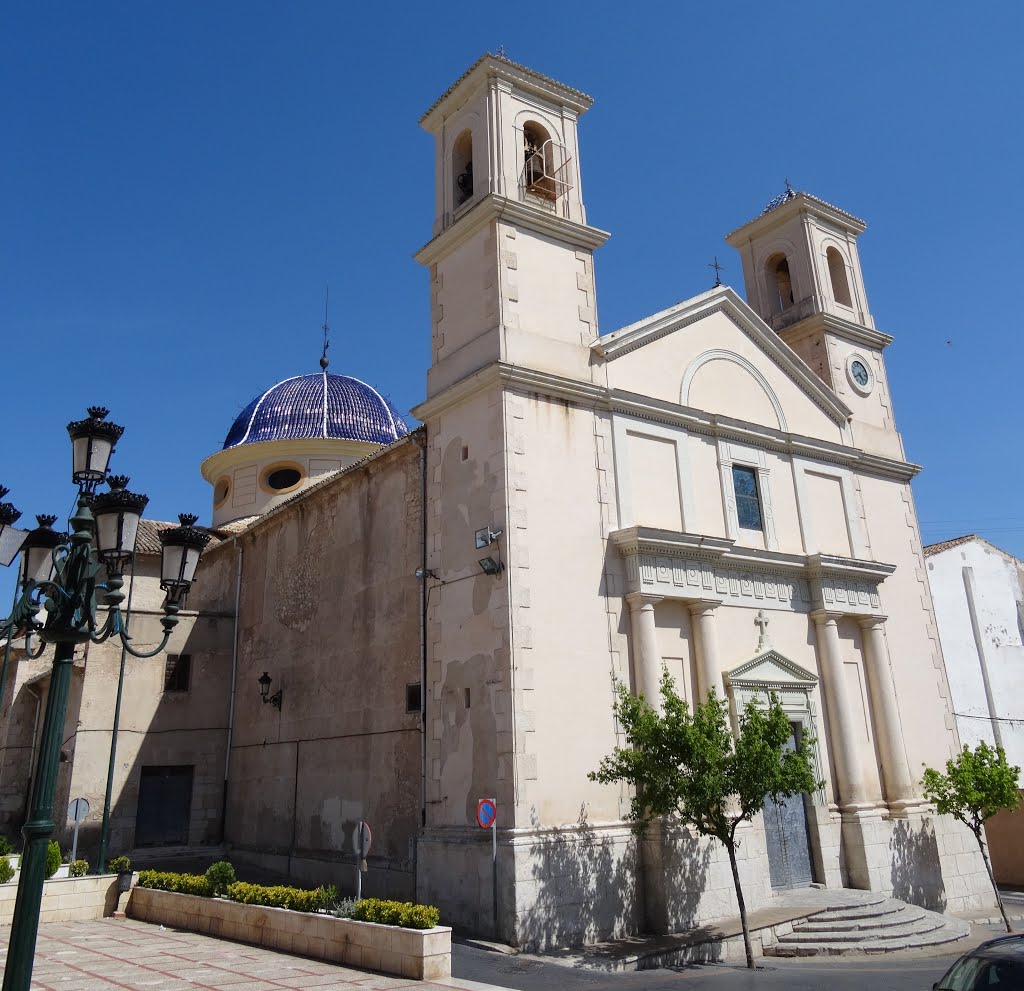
column 763, row 641
column 718, row 270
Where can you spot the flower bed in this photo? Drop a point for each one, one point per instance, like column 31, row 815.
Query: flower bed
column 420, row 954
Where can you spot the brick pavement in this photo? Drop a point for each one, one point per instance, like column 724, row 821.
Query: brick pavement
column 124, row 955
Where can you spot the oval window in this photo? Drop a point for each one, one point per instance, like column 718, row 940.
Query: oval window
column 283, row 478
column 220, row 491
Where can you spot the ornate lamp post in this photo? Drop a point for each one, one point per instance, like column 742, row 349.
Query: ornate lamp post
column 102, row 537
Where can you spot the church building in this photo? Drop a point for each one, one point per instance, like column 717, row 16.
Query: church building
column 390, row 626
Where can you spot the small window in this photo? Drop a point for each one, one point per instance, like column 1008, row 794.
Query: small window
column 837, row 275
column 177, row 672
column 413, row 697
column 282, row 479
column 221, row 491
column 748, row 501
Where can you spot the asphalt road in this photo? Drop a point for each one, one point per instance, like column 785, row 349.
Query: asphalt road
column 529, row 974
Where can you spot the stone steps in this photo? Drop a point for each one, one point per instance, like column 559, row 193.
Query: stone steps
column 874, row 924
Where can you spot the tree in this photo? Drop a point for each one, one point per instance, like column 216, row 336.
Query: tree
column 693, row 767
column 977, row 784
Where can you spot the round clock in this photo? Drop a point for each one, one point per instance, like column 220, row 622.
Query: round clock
column 859, row 373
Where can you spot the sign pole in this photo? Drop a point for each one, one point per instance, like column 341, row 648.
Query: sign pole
column 494, row 872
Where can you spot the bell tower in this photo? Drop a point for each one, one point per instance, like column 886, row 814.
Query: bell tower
column 511, row 258
column 802, row 274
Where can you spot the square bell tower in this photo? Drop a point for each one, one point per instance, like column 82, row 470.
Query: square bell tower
column 511, row 258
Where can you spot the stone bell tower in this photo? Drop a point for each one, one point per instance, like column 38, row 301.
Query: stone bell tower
column 511, row 259
column 802, row 273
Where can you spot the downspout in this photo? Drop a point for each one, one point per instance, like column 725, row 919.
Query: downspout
column 979, row 643
column 32, row 758
column 231, row 704
column 423, row 646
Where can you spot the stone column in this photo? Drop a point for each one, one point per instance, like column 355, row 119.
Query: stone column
column 899, row 783
column 845, row 751
column 709, row 669
column 646, row 656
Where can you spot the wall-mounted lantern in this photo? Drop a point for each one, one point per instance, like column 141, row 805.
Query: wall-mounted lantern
column 265, row 683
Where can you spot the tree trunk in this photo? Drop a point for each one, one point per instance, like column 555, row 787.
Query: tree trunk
column 731, row 847
column 992, row 880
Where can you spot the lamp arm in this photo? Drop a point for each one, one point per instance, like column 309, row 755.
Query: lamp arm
column 169, row 622
column 29, row 653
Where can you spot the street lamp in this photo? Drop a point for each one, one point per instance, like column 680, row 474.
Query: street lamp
column 103, row 531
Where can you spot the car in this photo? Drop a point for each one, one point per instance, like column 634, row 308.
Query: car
column 997, row 965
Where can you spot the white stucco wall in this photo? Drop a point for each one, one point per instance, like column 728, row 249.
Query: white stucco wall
column 995, row 640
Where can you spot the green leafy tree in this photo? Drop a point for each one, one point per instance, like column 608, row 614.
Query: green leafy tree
column 691, row 765
column 977, row 784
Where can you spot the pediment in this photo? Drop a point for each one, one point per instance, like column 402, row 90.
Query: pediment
column 746, row 325
column 771, row 670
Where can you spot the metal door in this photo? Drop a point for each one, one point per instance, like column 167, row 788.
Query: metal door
column 785, row 827
column 165, row 805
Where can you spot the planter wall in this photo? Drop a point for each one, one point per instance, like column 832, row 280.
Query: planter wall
column 71, row 899
column 420, row 954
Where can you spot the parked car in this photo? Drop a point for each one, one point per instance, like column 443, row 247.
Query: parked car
column 997, row 965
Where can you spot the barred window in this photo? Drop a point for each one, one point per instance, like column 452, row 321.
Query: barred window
column 177, row 672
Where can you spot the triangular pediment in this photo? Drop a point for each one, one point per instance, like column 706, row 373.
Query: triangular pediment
column 771, row 670
column 724, row 300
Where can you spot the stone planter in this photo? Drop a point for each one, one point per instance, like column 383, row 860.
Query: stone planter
column 62, row 872
column 419, row 954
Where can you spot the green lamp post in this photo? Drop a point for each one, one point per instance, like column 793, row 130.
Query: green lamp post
column 63, row 576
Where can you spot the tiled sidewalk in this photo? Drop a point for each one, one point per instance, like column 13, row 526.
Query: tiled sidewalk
column 123, row 955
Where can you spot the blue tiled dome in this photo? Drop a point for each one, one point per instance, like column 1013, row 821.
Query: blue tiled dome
column 319, row 405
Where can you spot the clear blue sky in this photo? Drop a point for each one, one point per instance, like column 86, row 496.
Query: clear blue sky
column 180, row 181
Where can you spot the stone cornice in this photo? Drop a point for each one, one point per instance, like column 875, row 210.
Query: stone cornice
column 645, row 408
column 848, row 567
column 498, row 67
column 495, row 207
column 855, row 333
column 724, row 299
column 801, row 203
column 669, row 543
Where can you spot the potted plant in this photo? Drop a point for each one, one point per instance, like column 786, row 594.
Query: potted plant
column 122, row 867
column 7, row 850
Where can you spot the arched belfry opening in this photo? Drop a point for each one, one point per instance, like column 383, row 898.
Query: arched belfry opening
column 545, row 174
column 462, row 168
column 779, row 282
column 837, row 275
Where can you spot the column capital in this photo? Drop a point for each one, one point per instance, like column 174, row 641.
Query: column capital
column 698, row 606
column 638, row 600
column 869, row 622
column 821, row 616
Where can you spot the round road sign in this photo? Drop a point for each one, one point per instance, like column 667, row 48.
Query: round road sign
column 78, row 810
column 486, row 813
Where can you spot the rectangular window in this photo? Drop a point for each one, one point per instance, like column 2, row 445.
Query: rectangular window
column 413, row 697
column 177, row 672
column 748, row 502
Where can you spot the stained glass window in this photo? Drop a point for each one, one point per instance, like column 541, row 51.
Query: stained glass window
column 748, row 503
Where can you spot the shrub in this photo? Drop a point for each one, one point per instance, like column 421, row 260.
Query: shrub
column 220, row 875
column 391, row 913
column 78, row 868
column 119, row 865
column 5, row 847
column 344, row 907
column 276, row 895
column 6, row 871
column 52, row 859
column 183, row 884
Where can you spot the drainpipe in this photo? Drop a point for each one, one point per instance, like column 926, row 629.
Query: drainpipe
column 423, row 643
column 979, row 643
column 231, row 704
column 32, row 758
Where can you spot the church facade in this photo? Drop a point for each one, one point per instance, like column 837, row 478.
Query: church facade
column 718, row 489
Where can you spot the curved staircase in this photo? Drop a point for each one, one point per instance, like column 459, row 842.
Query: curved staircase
column 866, row 923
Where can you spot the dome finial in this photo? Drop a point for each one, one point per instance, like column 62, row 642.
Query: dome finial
column 326, row 329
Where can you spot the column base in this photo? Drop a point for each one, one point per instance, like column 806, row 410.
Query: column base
column 864, row 848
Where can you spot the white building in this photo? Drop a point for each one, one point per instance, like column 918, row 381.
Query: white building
column 979, row 603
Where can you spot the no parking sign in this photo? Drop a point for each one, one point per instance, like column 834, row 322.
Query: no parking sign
column 486, row 813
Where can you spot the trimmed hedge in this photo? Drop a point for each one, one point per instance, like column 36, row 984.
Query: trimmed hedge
column 183, row 884
column 78, row 868
column 52, row 859
column 6, row 871
column 390, row 913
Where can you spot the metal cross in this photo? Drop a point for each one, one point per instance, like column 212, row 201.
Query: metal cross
column 763, row 641
column 718, row 270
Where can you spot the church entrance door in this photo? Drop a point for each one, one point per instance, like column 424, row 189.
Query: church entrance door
column 785, row 827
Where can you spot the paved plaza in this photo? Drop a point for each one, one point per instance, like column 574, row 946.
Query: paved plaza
column 123, row 955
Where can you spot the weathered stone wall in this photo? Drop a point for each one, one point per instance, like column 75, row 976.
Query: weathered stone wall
column 330, row 610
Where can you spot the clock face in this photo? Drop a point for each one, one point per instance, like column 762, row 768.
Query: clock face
column 859, row 373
